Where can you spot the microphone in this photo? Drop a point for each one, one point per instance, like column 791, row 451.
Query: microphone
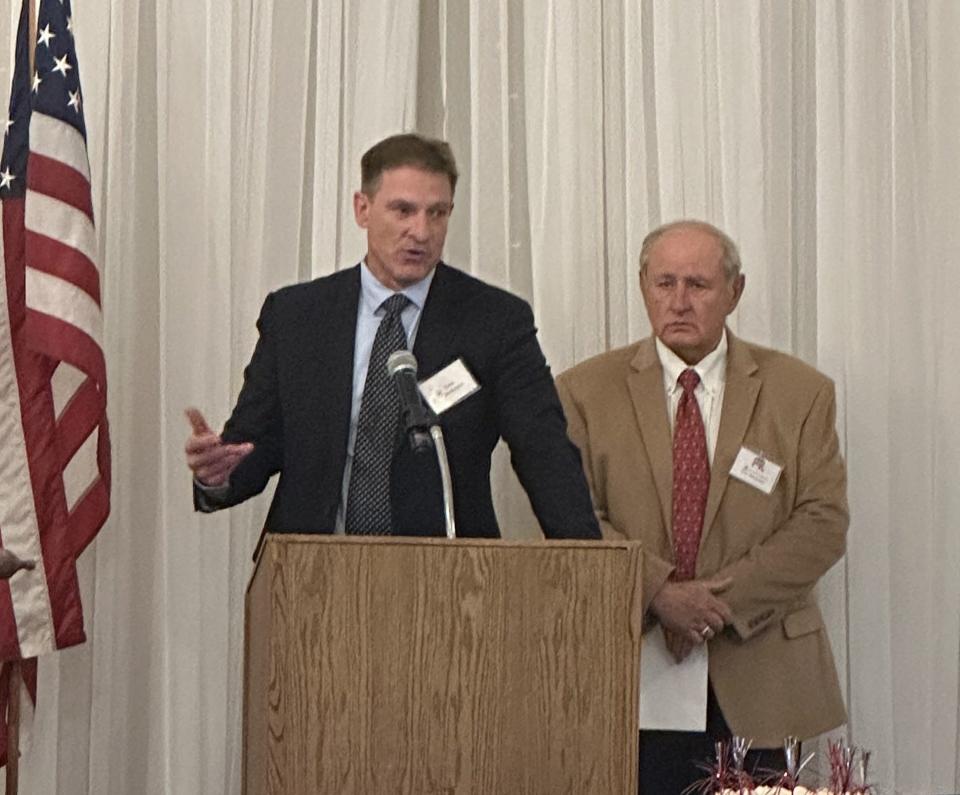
column 416, row 417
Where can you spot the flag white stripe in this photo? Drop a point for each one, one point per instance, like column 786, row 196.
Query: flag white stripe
column 30, row 596
column 58, row 220
column 65, row 381
column 27, row 715
column 81, row 471
column 62, row 299
column 59, row 141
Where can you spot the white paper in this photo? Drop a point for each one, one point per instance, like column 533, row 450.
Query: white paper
column 448, row 387
column 673, row 696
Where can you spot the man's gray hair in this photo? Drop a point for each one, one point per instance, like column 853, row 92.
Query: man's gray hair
column 730, row 255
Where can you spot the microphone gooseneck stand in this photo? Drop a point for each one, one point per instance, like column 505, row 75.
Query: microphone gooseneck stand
column 418, row 420
column 437, row 435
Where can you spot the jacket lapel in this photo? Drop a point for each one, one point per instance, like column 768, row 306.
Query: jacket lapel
column 333, row 382
column 439, row 324
column 645, row 383
column 739, row 398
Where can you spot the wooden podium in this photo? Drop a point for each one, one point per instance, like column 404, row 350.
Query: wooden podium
column 408, row 665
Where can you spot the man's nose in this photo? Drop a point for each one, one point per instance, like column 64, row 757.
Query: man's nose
column 419, row 228
column 679, row 299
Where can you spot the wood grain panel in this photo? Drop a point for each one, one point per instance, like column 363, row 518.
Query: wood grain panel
column 255, row 684
column 403, row 665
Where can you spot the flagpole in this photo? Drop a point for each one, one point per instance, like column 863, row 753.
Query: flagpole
column 32, row 27
column 13, row 728
column 13, row 686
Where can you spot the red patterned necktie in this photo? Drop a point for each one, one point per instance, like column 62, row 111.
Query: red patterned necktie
column 691, row 477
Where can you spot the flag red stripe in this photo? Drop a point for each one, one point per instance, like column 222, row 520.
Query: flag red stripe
column 9, row 641
column 78, row 419
column 65, row 342
column 13, row 237
column 58, row 259
column 60, row 181
column 89, row 513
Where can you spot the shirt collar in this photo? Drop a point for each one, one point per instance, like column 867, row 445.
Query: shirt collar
column 373, row 293
column 712, row 368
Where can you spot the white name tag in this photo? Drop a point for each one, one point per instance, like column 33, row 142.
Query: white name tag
column 448, row 387
column 756, row 470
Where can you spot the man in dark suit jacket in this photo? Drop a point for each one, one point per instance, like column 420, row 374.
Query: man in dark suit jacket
column 297, row 411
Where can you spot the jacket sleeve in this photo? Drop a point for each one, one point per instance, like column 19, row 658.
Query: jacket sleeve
column 532, row 423
column 256, row 418
column 783, row 568
column 656, row 570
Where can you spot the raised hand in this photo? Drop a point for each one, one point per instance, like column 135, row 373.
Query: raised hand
column 209, row 458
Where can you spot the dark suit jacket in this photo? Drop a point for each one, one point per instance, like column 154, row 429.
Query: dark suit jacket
column 296, row 398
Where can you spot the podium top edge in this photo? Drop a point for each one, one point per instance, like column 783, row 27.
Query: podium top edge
column 329, row 538
column 274, row 540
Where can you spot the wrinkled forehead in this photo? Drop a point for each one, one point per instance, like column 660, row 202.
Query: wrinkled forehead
column 686, row 248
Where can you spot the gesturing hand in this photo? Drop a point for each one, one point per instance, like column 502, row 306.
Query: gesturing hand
column 210, row 460
column 691, row 609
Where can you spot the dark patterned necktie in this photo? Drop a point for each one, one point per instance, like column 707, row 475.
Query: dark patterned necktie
column 691, row 477
column 368, row 496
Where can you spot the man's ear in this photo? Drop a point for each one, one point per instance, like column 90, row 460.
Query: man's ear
column 361, row 208
column 738, row 285
column 643, row 283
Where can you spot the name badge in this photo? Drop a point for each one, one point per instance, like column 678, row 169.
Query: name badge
column 756, row 470
column 448, row 387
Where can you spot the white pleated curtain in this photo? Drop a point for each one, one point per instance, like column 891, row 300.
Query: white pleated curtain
column 225, row 139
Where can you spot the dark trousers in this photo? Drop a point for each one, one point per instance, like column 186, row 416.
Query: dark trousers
column 669, row 760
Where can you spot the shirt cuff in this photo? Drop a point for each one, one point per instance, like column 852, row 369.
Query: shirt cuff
column 209, row 498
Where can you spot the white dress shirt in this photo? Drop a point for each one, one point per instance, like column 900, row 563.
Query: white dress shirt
column 712, row 370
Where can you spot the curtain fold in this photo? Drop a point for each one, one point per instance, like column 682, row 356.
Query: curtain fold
column 225, row 140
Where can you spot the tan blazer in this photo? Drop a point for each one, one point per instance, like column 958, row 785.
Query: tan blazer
column 772, row 669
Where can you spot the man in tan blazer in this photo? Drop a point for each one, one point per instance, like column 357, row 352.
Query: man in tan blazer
column 754, row 557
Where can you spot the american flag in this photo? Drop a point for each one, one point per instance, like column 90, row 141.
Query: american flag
column 54, row 442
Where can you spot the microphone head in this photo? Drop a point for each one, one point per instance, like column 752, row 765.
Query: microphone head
column 401, row 360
